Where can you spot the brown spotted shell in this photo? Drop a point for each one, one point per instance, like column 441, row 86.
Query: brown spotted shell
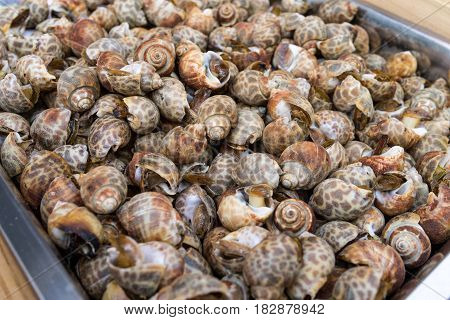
column 163, row 13
column 94, row 273
column 72, row 227
column 107, row 61
column 199, row 70
column 351, row 95
column 104, row 17
column 358, row 283
column 150, row 216
column 300, row 6
column 11, row 122
column 428, row 143
column 358, row 174
column 182, row 32
column 159, row 53
column 251, row 87
column 408, row 238
column 338, row 233
column 150, row 143
column 293, row 217
column 257, row 168
column 42, row 168
column 50, row 129
column 220, row 173
column 82, row 34
column 252, row 205
column 201, row 20
column 171, row 99
column 335, row 199
column 334, row 125
column 75, row 155
column 185, row 145
column 194, row 286
column 194, row 262
column 94, row 50
column 227, row 14
column 355, row 150
column 219, row 114
column 435, row 215
column 31, row 69
column 336, row 46
column 60, row 189
column 131, row 12
column 15, row 97
column 78, row 88
column 396, row 193
column 372, row 221
column 391, row 160
column 107, row 134
column 380, row 256
column 284, row 103
column 296, row 60
column 248, row 130
column 270, row 267
column 14, row 154
column 432, row 165
column 316, row 263
column 402, row 64
column 103, row 189
column 143, row 268
column 281, row 133
column 337, row 11
column 198, row 209
column 304, row 165
column 143, row 115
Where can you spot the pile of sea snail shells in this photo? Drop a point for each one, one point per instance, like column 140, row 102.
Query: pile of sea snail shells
column 197, row 149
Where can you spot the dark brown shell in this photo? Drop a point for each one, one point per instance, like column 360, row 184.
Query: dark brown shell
column 83, row 33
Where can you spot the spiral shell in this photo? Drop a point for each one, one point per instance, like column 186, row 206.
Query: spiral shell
column 251, row 87
column 194, row 286
column 334, row 125
column 159, row 53
column 338, row 233
column 268, row 277
column 171, row 99
column 351, row 95
column 78, row 88
column 201, row 20
column 309, row 30
column 219, row 114
column 42, row 168
column 50, row 129
column 181, row 32
column 11, row 122
column 142, row 268
column 377, row 255
column 227, row 14
column 31, row 69
column 163, row 13
column 300, row 6
column 355, row 150
column 304, row 165
column 143, row 115
column 105, row 134
column 257, row 168
column 337, row 11
column 401, row 65
column 150, row 143
column 335, row 199
column 130, row 11
column 149, row 216
column 394, row 199
column 248, row 130
column 293, row 217
column 316, row 264
column 14, row 154
column 104, row 17
column 15, row 97
column 245, row 206
column 82, row 34
column 103, row 189
column 198, row 69
column 283, row 103
column 295, row 59
column 358, row 283
column 281, row 133
column 94, row 273
column 220, row 173
column 358, row 174
column 94, row 50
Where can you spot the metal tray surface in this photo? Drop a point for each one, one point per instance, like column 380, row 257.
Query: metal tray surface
column 43, row 264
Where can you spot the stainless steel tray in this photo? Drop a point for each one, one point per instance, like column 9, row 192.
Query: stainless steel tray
column 42, row 262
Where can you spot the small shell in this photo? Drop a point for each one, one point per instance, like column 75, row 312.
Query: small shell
column 304, row 165
column 104, row 17
column 143, row 115
column 15, row 97
column 300, row 6
column 337, row 11
column 284, row 103
column 431, row 164
column 130, row 11
column 159, row 53
column 281, row 133
column 171, row 99
column 194, row 262
column 142, row 268
column 82, row 34
column 94, row 273
column 94, row 50
column 355, row 150
column 31, row 69
column 358, row 283
column 50, row 129
column 351, row 95
column 150, row 143
column 293, row 217
column 401, row 65
column 202, row 21
column 295, row 59
column 42, row 168
column 220, row 173
column 149, row 216
column 310, row 29
column 227, row 14
column 61, row 189
column 185, row 145
column 72, row 227
column 428, row 143
column 248, row 130
column 334, row 125
column 182, row 32
column 245, row 206
column 316, row 264
column 198, row 209
column 338, row 233
column 335, row 199
column 163, row 13
column 106, row 134
column 103, row 189
column 78, row 88
column 268, row 277
column 14, row 154
column 198, row 69
column 336, row 46
column 75, row 155
column 391, row 160
column 378, row 256
column 257, row 168
column 251, row 87
column 358, row 174
column 337, row 154
column 219, row 114
column 194, row 286
column 396, row 199
column 11, row 122
column 407, row 237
